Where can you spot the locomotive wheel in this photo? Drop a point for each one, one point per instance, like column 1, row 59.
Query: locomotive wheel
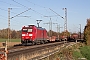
column 48, row 41
column 33, row 43
column 42, row 42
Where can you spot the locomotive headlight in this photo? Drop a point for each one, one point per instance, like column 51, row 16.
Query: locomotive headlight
column 23, row 34
column 30, row 34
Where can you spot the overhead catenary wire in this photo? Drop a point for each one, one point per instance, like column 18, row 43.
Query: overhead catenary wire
column 35, row 4
column 38, row 5
column 20, row 13
column 6, row 17
column 8, row 3
column 56, row 13
column 18, row 23
column 26, row 7
column 43, row 7
column 7, row 10
column 9, row 32
column 19, row 3
column 65, row 18
column 3, row 9
column 3, row 16
column 1, row 20
column 15, row 16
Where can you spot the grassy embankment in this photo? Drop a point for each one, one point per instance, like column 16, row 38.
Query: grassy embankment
column 85, row 51
column 76, row 52
column 10, row 40
column 82, row 52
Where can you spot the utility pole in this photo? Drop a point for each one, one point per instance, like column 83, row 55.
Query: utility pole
column 38, row 21
column 11, row 18
column 65, row 24
column 49, row 27
column 58, row 31
column 80, row 31
column 8, row 33
column 9, row 29
column 6, row 42
column 59, row 28
column 8, row 24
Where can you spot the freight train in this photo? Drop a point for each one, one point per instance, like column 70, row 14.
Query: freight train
column 73, row 37
column 33, row 34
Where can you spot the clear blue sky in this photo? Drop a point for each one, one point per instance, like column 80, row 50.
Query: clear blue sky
column 77, row 13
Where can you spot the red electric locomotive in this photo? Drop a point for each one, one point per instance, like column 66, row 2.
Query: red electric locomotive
column 33, row 34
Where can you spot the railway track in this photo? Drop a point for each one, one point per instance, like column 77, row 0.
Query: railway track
column 30, row 52
column 19, row 48
column 13, row 53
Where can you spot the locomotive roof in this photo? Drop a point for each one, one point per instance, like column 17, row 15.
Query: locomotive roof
column 41, row 28
column 31, row 25
column 37, row 27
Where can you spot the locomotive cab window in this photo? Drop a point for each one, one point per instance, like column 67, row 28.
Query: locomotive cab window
column 24, row 30
column 29, row 30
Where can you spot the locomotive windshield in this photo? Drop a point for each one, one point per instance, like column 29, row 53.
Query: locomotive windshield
column 29, row 30
column 26, row 30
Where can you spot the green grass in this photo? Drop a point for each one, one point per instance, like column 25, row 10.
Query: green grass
column 10, row 40
column 77, row 54
column 85, row 52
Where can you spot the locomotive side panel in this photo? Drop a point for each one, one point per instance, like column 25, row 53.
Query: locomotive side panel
column 41, row 34
column 45, row 34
